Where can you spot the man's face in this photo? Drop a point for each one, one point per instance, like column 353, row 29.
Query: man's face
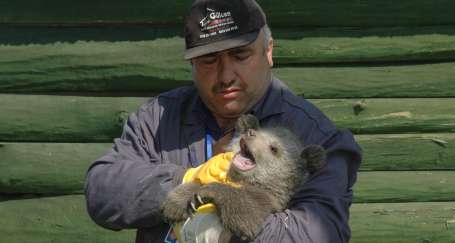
column 230, row 82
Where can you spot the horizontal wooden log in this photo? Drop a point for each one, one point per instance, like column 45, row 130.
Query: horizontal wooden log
column 292, row 46
column 64, row 219
column 64, row 118
column 405, row 186
column 289, row 13
column 60, row 219
column 60, row 167
column 363, row 45
column 39, row 34
column 403, row 222
column 115, row 32
column 376, row 116
column 399, row 152
column 40, row 168
column 37, row 168
column 155, row 66
column 41, row 118
column 149, row 67
column 64, row 12
column 405, row 81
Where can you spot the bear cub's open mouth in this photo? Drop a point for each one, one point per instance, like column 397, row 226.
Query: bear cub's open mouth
column 244, row 160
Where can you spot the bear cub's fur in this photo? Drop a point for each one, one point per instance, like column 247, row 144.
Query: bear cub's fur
column 270, row 164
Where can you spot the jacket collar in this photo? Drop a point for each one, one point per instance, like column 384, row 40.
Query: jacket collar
column 271, row 103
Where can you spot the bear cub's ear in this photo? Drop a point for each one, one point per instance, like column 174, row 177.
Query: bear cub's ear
column 314, row 156
column 246, row 122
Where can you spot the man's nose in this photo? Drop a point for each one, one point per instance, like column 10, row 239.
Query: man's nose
column 226, row 70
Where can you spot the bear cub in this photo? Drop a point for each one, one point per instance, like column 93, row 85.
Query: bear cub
column 270, row 165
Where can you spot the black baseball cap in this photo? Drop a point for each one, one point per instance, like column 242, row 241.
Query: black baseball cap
column 217, row 25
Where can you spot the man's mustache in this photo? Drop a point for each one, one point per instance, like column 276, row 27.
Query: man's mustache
column 222, row 86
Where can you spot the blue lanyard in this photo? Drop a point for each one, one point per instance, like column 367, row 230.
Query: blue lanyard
column 208, row 145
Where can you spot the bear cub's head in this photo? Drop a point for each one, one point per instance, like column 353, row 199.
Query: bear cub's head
column 272, row 156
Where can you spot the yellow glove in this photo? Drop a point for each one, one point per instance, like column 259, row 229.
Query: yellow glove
column 214, row 170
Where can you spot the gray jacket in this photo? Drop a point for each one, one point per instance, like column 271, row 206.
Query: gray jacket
column 125, row 187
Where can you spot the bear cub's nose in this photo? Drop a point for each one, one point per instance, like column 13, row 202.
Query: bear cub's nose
column 251, row 133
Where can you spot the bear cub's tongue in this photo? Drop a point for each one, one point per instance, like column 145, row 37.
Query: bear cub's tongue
column 243, row 163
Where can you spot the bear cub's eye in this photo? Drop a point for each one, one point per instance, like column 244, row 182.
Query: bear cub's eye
column 274, row 149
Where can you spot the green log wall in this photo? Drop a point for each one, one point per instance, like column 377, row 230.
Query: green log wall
column 72, row 71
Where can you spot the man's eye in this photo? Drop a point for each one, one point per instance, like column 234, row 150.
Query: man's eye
column 242, row 56
column 208, row 60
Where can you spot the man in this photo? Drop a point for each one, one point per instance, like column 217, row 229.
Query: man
column 230, row 49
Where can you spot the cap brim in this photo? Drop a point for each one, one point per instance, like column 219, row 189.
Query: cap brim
column 221, row 45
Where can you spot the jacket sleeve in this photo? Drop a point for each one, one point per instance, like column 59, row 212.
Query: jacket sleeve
column 125, row 187
column 319, row 212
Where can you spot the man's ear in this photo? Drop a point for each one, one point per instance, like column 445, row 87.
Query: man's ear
column 269, row 52
column 246, row 122
column 314, row 156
